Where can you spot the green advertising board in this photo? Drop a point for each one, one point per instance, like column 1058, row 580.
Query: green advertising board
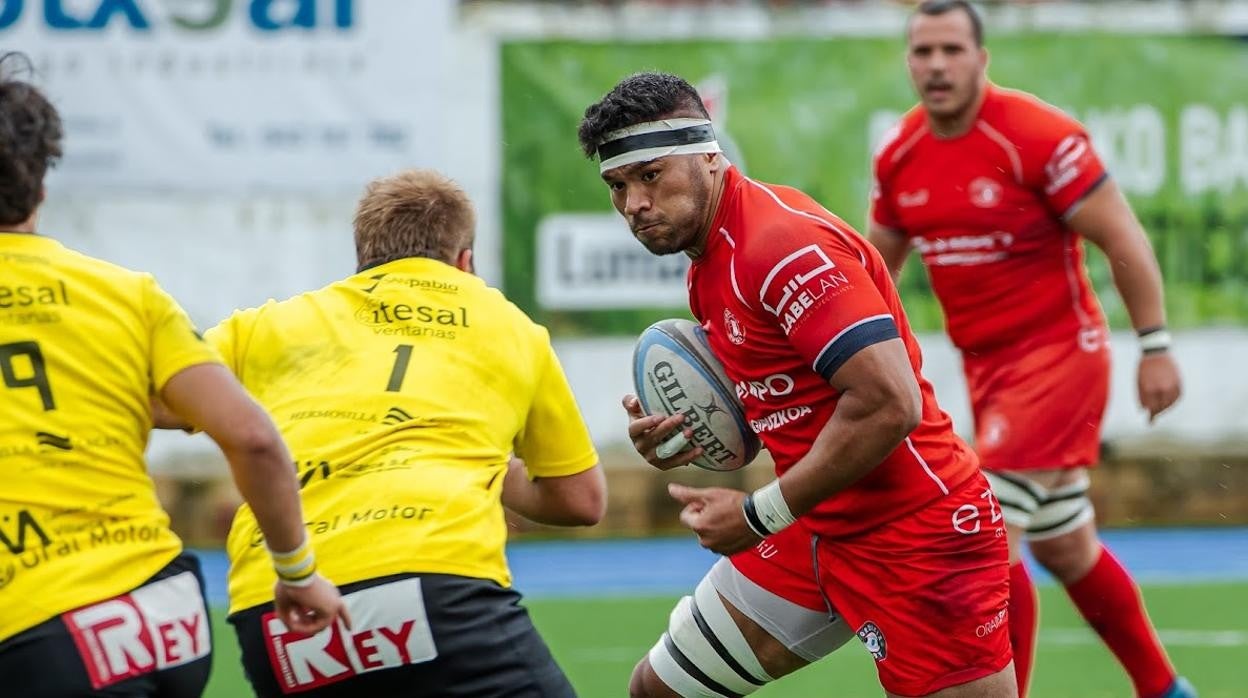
column 1168, row 114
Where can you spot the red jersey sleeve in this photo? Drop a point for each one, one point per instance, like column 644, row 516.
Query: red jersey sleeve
column 882, row 213
column 811, row 280
column 1058, row 159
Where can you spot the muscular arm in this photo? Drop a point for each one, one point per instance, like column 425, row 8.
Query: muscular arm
column 572, row 500
column 1106, row 220
column 879, row 406
column 208, row 397
column 893, row 247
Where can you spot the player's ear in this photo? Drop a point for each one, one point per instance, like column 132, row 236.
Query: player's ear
column 463, row 261
column 715, row 161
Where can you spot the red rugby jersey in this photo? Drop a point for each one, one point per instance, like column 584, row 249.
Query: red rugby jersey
column 986, row 210
column 787, row 293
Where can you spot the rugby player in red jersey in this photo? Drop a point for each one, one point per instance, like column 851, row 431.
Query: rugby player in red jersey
column 900, row 539
column 995, row 189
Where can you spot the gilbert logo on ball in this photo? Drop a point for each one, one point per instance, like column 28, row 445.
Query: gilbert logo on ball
column 675, row 372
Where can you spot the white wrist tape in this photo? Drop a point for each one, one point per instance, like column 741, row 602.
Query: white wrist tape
column 674, row 444
column 1156, row 341
column 297, row 567
column 766, row 509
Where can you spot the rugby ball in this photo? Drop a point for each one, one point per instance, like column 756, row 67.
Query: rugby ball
column 674, row 372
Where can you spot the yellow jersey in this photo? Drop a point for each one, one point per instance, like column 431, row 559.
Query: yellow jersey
column 83, row 345
column 401, row 392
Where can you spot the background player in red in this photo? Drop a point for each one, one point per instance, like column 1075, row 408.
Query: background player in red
column 899, row 531
column 995, row 189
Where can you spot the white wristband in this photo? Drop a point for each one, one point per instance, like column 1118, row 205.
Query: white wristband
column 295, row 568
column 1155, row 341
column 766, row 509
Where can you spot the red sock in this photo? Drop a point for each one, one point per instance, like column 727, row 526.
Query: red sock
column 1024, row 608
column 1110, row 602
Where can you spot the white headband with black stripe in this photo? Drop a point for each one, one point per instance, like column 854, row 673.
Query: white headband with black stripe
column 656, row 139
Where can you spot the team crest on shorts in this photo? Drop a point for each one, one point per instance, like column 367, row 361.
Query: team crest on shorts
column 873, row 638
column 736, row 333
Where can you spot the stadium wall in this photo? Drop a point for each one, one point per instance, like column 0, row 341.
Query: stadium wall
column 224, row 225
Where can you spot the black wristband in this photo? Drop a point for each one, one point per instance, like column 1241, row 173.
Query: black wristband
column 752, row 518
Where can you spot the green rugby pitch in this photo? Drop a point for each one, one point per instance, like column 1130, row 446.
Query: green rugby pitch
column 1205, row 628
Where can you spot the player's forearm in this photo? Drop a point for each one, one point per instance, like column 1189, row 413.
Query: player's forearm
column 209, row 397
column 266, row 479
column 264, row 474
column 1107, row 221
column 861, row 433
column 893, row 247
column 1138, row 280
column 575, row 500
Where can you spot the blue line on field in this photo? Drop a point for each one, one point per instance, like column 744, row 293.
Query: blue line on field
column 667, row 566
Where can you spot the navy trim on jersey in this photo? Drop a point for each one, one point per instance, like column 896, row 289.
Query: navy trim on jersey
column 853, row 340
column 1070, row 210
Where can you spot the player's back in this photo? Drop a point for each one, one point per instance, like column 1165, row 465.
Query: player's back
column 83, row 344
column 986, row 212
column 401, row 392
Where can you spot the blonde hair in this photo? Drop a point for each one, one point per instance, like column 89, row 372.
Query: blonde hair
column 415, row 213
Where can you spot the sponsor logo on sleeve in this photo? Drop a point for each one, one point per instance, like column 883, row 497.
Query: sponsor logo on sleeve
column 798, row 283
column 1066, row 163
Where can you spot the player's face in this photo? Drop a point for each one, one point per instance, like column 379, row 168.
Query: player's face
column 946, row 66
column 665, row 201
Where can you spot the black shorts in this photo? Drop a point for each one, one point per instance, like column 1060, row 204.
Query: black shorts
column 412, row 636
column 82, row 653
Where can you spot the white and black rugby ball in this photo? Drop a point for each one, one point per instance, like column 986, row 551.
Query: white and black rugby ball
column 675, row 371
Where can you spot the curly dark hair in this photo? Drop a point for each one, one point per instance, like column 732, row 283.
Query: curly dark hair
column 30, row 140
column 636, row 99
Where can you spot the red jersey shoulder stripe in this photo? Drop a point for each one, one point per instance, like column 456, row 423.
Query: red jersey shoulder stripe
column 845, row 237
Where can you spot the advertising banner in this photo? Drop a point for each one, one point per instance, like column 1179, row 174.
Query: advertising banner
column 234, row 96
column 1168, row 114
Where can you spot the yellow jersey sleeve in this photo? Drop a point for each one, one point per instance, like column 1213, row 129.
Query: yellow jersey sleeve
column 554, row 441
column 231, row 337
column 175, row 343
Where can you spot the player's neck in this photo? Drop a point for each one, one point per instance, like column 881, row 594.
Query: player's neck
column 958, row 124
column 26, row 226
column 696, row 250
